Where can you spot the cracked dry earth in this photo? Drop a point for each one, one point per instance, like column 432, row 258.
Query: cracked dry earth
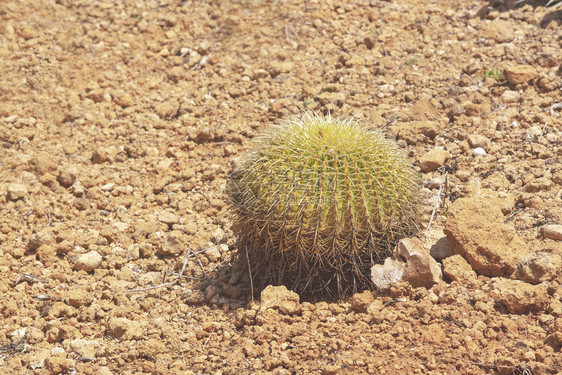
column 119, row 121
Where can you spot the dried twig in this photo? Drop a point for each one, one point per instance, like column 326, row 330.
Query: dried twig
column 542, row 133
column 179, row 275
column 248, row 362
column 206, row 341
column 251, row 278
column 184, row 262
column 513, row 214
column 47, row 214
column 523, row 369
column 553, row 107
column 151, row 287
column 30, row 278
column 199, row 262
column 26, row 213
column 437, row 200
column 219, row 264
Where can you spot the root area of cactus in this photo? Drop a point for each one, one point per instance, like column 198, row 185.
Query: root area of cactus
column 318, row 202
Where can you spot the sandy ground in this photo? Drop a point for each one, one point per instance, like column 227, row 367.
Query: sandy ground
column 119, row 121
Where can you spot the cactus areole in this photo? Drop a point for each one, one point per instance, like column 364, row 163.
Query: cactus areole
column 318, row 202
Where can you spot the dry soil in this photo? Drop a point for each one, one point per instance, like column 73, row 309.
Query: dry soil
column 118, row 124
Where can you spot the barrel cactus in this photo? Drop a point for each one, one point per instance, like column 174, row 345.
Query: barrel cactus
column 318, row 202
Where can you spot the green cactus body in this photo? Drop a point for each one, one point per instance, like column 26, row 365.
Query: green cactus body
column 319, row 201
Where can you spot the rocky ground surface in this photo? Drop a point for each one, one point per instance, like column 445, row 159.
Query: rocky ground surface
column 118, row 124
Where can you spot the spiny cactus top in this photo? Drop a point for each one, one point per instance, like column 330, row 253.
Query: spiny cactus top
column 318, row 201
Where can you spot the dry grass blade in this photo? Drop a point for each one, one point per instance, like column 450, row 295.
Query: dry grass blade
column 189, row 253
column 437, row 200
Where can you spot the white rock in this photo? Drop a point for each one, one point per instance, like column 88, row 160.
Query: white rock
column 479, row 151
column 57, row 351
column 387, row 274
column 108, row 186
column 11, row 119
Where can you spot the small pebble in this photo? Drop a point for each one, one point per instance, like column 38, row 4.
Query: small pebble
column 108, row 187
column 11, row 119
column 510, row 96
column 167, row 217
column 553, row 232
column 16, row 191
column 479, row 151
column 89, row 261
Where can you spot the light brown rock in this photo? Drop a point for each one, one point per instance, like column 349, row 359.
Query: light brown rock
column 39, row 239
column 361, row 301
column 433, row 333
column 456, row 268
column 89, row 261
column 553, row 232
column 277, row 67
column 549, row 82
column 520, row 74
column 538, row 184
column 478, row 140
column 79, row 297
column 499, row 30
column 554, row 340
column 16, row 191
column 410, row 263
column 213, row 254
column 476, row 230
column 538, row 267
column 415, row 131
column 510, row 96
column 519, row 297
column 279, row 297
column 126, row 329
column 58, row 364
column 433, row 159
column 421, row 269
column 124, row 100
column 174, row 244
column 67, row 175
column 104, row 154
column 85, row 348
column 505, row 201
column 34, row 335
column 168, row 217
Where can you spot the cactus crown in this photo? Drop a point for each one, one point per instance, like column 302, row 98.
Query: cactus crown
column 319, row 201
